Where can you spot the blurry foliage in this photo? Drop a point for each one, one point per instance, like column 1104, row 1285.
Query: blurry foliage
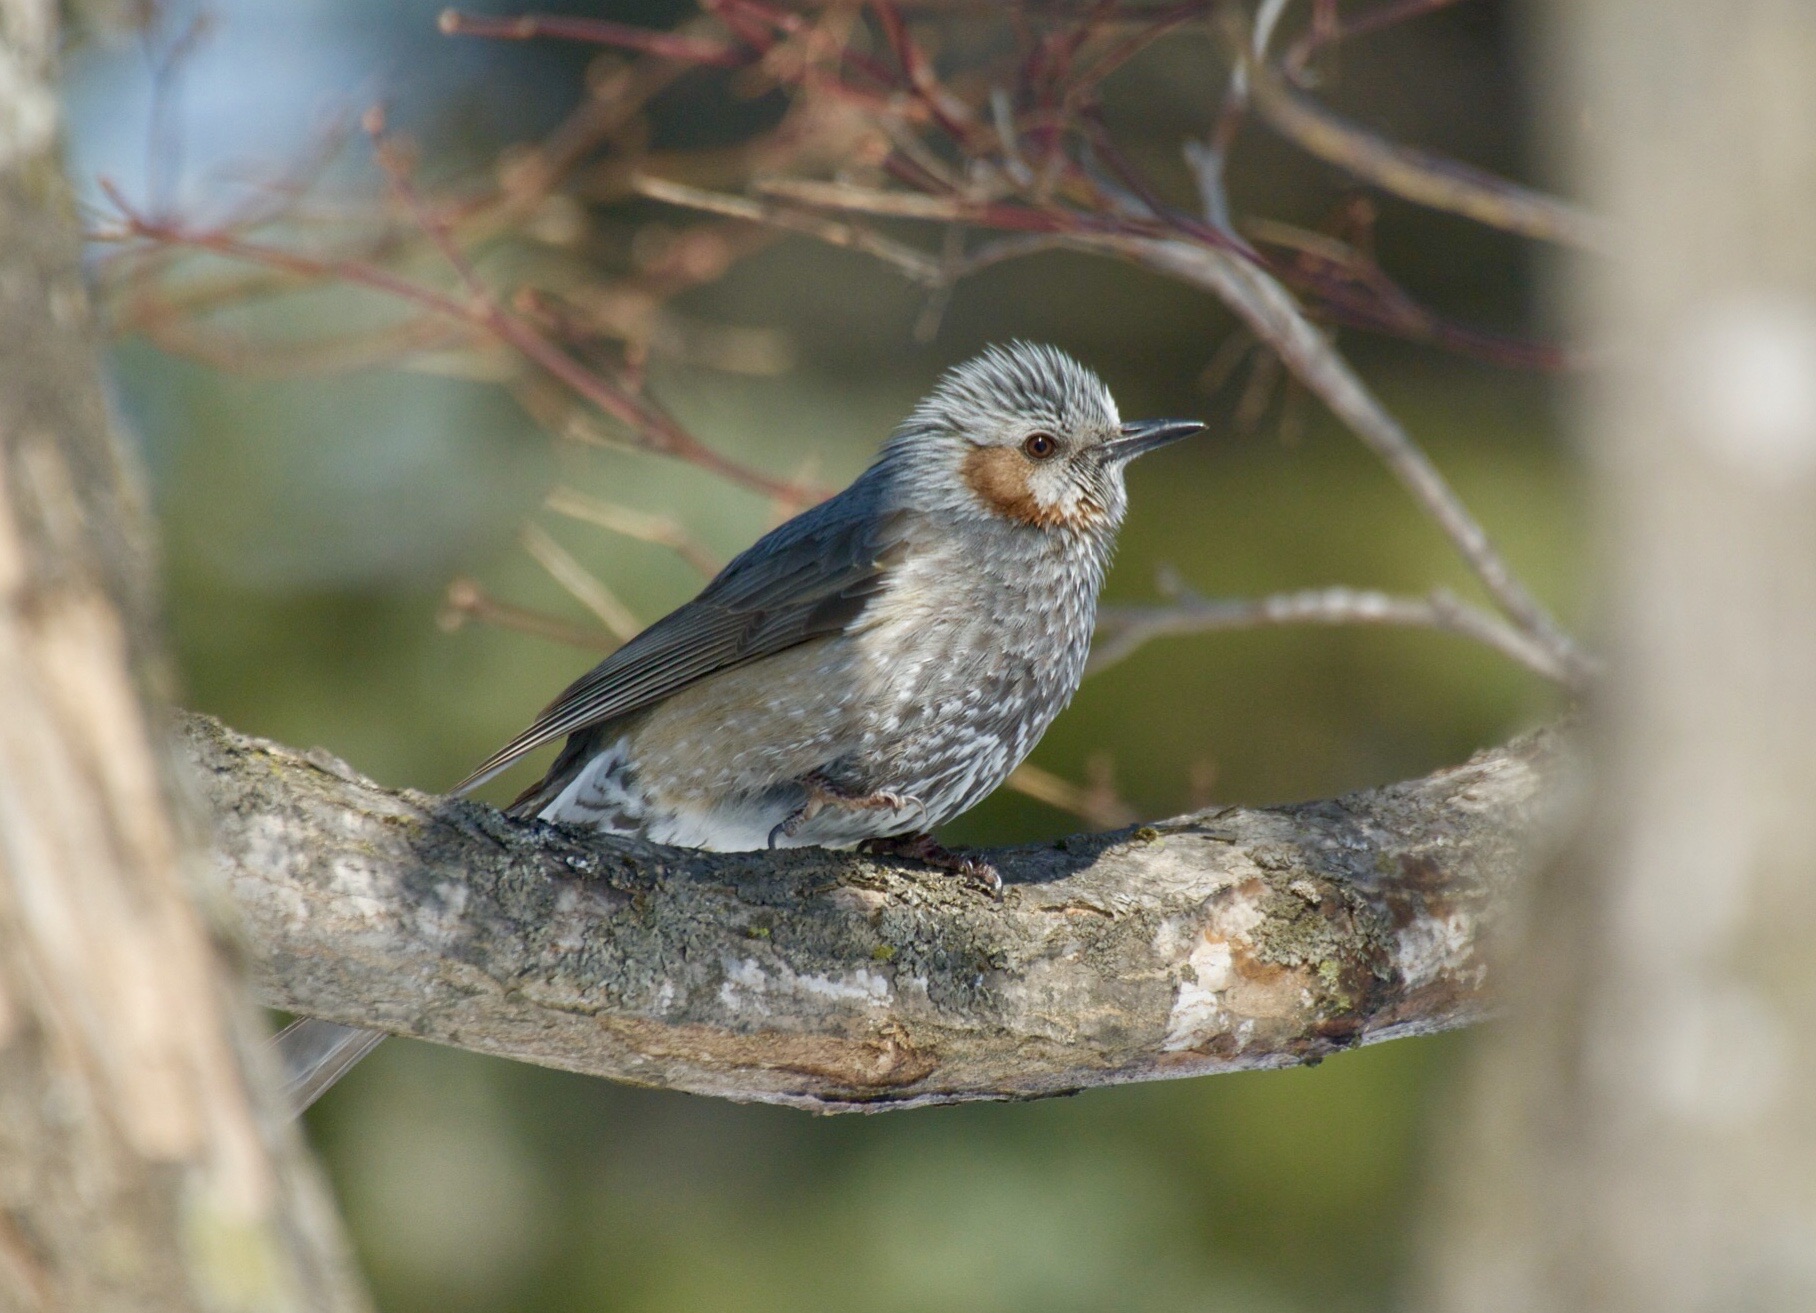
column 314, row 522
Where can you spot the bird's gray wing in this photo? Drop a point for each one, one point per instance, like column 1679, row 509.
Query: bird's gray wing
column 807, row 579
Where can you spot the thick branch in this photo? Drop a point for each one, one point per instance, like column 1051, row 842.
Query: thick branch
column 1229, row 939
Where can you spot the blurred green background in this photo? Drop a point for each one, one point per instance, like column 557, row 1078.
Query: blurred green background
column 310, row 527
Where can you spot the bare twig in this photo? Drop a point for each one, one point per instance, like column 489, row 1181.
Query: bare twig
column 871, row 200
column 1122, row 629
column 1272, row 314
column 580, row 583
column 1416, row 175
column 595, row 31
column 466, row 600
column 1329, row 28
column 641, row 525
column 636, row 412
column 653, row 429
column 929, row 270
column 951, row 113
column 915, row 264
column 402, row 345
column 1096, row 803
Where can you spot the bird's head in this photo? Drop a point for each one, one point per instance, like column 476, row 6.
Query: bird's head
column 1026, row 435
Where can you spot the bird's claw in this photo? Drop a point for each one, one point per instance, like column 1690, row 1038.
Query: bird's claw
column 923, row 849
column 982, row 874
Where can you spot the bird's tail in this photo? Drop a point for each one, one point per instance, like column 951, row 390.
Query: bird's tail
column 315, row 1054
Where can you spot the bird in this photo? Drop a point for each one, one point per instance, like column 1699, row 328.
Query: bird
column 871, row 668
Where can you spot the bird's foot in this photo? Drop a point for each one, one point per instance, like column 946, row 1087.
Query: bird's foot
column 823, row 793
column 922, row 848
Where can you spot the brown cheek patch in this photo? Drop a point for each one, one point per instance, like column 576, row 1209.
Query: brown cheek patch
column 999, row 477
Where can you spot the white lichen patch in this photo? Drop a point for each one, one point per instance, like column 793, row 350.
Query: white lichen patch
column 568, row 933
column 438, row 921
column 1200, row 1011
column 360, row 889
column 1433, row 945
column 749, row 987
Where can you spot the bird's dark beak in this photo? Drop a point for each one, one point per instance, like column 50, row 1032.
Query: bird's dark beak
column 1139, row 437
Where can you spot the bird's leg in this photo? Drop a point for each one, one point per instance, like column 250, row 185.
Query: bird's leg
column 823, row 792
column 923, row 848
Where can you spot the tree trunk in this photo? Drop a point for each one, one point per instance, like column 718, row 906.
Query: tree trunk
column 1641, row 1136
column 141, row 1164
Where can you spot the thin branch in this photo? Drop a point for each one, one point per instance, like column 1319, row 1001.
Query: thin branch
column 654, row 430
column 1095, row 803
column 1273, row 315
column 915, row 264
column 465, row 600
column 400, row 345
column 1270, row 311
column 871, row 200
column 1420, row 176
column 595, row 31
column 929, row 270
column 580, row 583
column 1227, row 940
column 1329, row 28
column 1351, row 288
column 1123, row 629
column 1160, row 23
column 951, row 113
column 633, row 411
column 632, row 523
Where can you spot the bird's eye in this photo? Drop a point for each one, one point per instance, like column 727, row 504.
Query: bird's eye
column 1039, row 446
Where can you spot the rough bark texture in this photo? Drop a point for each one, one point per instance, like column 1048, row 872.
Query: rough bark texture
column 1219, row 941
column 1643, row 1137
column 137, row 1169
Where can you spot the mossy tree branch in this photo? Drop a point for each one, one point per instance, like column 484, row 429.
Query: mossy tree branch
column 1224, row 940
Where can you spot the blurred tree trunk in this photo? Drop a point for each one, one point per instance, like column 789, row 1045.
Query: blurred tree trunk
column 1641, row 1135
column 138, row 1168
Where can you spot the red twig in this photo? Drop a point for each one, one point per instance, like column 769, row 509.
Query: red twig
column 1066, row 48
column 758, row 25
column 657, row 431
column 596, row 31
column 950, row 113
column 1329, row 28
column 1130, row 177
column 1162, row 23
column 660, row 431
